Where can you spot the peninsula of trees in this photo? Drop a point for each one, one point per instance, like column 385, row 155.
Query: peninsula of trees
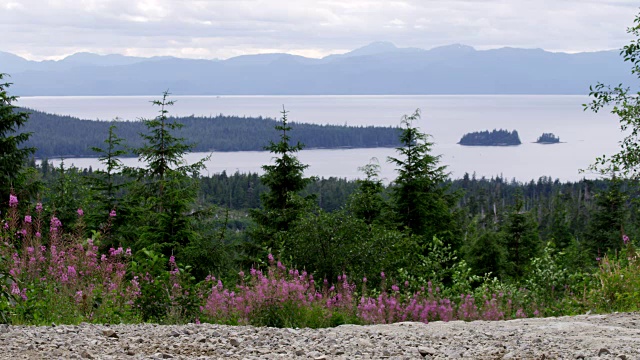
column 494, row 138
column 55, row 135
column 548, row 138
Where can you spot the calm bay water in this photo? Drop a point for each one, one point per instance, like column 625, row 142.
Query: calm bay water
column 585, row 135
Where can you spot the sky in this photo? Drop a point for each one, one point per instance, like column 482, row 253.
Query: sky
column 208, row 29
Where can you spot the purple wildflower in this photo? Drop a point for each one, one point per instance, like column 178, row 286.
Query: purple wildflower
column 13, row 200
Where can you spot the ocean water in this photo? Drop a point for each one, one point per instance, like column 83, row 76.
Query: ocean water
column 584, row 134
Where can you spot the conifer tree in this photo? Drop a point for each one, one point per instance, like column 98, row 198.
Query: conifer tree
column 520, row 234
column 166, row 188
column 367, row 202
column 282, row 204
column 421, row 200
column 106, row 184
column 606, row 225
column 13, row 156
column 105, row 180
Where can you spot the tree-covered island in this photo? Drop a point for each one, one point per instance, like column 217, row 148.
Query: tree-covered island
column 494, row 138
column 548, row 138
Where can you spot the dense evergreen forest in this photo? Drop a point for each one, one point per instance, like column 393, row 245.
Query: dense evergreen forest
column 548, row 138
column 65, row 136
column 494, row 138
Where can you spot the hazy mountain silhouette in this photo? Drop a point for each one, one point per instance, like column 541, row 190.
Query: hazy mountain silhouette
column 378, row 68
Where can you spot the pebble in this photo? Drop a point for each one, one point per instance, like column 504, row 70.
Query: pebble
column 579, row 337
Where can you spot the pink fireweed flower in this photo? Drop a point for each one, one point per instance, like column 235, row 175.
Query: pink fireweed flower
column 55, row 223
column 364, row 280
column 128, row 252
column 395, row 288
column 80, row 212
column 27, row 219
column 39, row 207
column 382, row 275
column 270, row 257
column 112, row 213
column 13, row 200
column 38, row 235
column 78, row 296
column 625, row 239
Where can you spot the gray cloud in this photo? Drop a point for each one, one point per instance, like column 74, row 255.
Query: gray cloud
column 223, row 28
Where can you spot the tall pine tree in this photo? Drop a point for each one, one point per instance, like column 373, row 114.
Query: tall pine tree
column 13, row 156
column 282, row 204
column 166, row 189
column 421, row 200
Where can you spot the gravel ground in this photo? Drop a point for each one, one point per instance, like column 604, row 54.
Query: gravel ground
column 614, row 336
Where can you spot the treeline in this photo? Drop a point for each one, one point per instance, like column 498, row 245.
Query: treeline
column 66, row 136
column 548, row 138
column 494, row 138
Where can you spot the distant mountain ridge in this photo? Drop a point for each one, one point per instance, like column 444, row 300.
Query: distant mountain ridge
column 379, row 68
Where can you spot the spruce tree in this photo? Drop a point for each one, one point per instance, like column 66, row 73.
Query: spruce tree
column 420, row 196
column 13, row 156
column 520, row 235
column 282, row 204
column 606, row 224
column 366, row 202
column 108, row 184
column 166, row 187
column 105, row 180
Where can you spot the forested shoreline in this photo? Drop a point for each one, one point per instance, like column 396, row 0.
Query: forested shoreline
column 66, row 136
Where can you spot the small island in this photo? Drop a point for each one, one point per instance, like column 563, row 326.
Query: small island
column 548, row 138
column 494, row 138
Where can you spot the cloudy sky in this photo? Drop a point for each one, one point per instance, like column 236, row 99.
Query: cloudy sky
column 51, row 29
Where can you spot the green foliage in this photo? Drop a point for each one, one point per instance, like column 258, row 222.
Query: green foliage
column 282, row 204
column 214, row 250
column 290, row 314
column 13, row 153
column 421, row 201
column 485, row 252
column 367, row 203
column 547, row 276
column 6, row 297
column 166, row 188
column 166, row 295
column 520, row 236
column 619, row 283
column 626, row 106
column 606, row 226
column 68, row 193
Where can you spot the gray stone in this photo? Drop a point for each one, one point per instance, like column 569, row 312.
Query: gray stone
column 110, row 334
column 235, row 341
column 603, row 351
column 424, row 351
column 86, row 355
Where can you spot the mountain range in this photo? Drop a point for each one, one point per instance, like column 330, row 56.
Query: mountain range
column 379, row 68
